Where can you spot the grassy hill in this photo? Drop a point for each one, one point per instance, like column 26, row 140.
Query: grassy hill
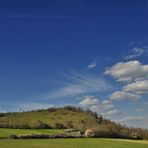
column 67, row 117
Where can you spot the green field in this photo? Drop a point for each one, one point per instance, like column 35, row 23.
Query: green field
column 72, row 143
column 5, row 133
column 63, row 143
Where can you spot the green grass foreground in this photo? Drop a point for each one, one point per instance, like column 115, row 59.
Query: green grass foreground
column 63, row 143
column 72, row 143
column 5, row 132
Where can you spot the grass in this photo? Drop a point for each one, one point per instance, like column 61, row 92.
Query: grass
column 73, row 143
column 63, row 143
column 131, row 141
column 5, row 132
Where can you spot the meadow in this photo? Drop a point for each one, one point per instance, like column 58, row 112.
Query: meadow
column 5, row 142
column 6, row 132
column 72, row 143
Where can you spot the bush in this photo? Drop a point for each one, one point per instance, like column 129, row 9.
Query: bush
column 117, row 131
column 53, row 109
column 70, row 108
column 69, row 124
column 135, row 136
column 2, row 115
column 29, row 136
column 59, row 126
column 74, row 109
column 41, row 125
column 44, row 136
column 13, row 136
column 71, row 130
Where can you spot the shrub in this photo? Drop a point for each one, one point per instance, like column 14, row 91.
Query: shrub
column 70, row 108
column 135, row 136
column 100, row 119
column 70, row 130
column 69, row 124
column 59, row 126
column 29, row 136
column 53, row 109
column 41, row 125
column 2, row 115
column 91, row 113
column 44, row 136
column 74, row 109
column 13, row 136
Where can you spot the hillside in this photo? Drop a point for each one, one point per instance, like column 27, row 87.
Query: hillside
column 67, row 117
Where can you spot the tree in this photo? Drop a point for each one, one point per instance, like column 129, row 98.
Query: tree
column 100, row 118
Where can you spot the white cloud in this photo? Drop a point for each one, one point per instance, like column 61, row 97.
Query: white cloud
column 104, row 107
column 128, row 71
column 92, row 65
column 89, row 101
column 136, row 52
column 112, row 112
column 139, row 87
column 135, row 74
column 76, row 84
column 107, row 104
column 121, row 95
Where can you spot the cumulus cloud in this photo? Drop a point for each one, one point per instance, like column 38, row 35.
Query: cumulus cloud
column 76, row 84
column 133, row 72
column 105, row 107
column 139, row 87
column 89, row 101
column 135, row 52
column 131, row 91
column 107, row 104
column 112, row 112
column 128, row 71
column 121, row 95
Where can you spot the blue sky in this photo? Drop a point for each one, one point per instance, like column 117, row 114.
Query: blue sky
column 86, row 53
